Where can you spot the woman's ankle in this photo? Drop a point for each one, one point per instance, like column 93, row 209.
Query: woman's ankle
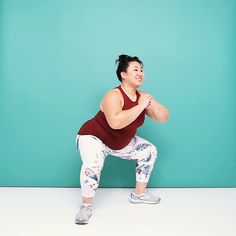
column 87, row 200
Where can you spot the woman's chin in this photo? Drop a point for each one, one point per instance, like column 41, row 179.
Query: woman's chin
column 139, row 84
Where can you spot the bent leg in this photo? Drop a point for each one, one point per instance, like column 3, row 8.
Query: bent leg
column 93, row 156
column 145, row 153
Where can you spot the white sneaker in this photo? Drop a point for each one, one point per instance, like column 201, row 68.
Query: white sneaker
column 144, row 198
column 85, row 212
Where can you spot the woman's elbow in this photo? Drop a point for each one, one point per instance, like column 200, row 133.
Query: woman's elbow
column 114, row 124
column 163, row 117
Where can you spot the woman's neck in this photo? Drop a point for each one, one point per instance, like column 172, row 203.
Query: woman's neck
column 128, row 89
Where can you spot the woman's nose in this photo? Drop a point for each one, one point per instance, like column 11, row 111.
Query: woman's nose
column 140, row 73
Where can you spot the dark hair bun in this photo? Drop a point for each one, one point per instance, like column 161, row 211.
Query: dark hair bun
column 122, row 57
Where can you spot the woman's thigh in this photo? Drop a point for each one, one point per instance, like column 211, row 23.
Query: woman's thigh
column 136, row 149
column 91, row 150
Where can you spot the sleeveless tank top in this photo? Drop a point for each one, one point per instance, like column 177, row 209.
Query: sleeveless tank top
column 114, row 138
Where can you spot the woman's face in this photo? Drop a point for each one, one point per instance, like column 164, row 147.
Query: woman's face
column 134, row 74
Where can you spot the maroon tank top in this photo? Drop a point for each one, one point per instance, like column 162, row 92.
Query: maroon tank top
column 114, row 138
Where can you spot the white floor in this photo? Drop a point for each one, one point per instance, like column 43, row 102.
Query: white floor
column 182, row 211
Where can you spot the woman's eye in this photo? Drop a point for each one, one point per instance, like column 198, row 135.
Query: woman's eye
column 137, row 70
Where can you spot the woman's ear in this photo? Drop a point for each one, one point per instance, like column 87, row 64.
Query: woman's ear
column 123, row 75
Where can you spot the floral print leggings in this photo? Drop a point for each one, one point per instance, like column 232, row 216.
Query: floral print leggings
column 93, row 153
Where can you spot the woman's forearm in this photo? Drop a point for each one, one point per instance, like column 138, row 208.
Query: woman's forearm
column 161, row 113
column 157, row 112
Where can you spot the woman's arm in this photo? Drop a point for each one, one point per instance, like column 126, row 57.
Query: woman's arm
column 156, row 110
column 117, row 118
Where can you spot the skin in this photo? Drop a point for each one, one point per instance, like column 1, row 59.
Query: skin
column 112, row 103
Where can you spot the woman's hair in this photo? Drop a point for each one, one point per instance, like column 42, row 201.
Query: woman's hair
column 123, row 63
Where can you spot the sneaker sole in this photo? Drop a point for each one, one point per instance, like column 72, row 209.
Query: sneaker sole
column 142, row 202
column 81, row 222
column 78, row 222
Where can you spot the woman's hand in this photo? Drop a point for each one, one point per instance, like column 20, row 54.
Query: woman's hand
column 145, row 100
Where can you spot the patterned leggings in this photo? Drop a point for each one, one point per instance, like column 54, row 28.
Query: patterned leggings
column 93, row 153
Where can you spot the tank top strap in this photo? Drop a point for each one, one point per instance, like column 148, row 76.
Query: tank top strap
column 125, row 96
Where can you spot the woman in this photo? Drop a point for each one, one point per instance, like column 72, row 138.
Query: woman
column 113, row 132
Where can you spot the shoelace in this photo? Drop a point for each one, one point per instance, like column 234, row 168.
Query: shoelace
column 83, row 211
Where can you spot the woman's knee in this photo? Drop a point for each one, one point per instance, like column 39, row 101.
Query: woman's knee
column 152, row 153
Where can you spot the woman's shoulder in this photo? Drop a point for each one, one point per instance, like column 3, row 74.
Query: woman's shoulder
column 112, row 95
column 115, row 92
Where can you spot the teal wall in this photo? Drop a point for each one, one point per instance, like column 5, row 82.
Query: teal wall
column 57, row 60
